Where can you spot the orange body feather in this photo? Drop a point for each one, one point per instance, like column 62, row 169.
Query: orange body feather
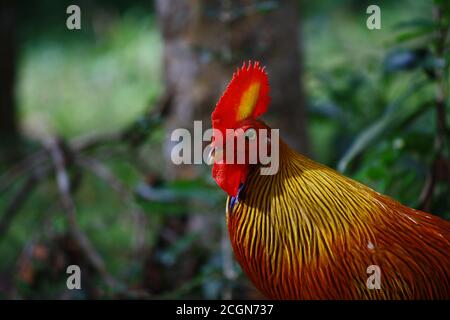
column 310, row 233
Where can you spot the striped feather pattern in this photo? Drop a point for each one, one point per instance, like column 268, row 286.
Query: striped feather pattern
column 310, row 233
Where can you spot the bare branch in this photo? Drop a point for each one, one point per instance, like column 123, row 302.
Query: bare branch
column 104, row 173
column 63, row 183
column 16, row 203
column 38, row 173
column 20, row 169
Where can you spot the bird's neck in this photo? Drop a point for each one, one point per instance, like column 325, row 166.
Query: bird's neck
column 313, row 182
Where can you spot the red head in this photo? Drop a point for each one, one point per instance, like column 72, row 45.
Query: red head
column 245, row 99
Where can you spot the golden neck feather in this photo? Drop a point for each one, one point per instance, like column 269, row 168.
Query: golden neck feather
column 299, row 231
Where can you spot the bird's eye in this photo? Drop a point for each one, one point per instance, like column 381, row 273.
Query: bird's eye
column 250, row 134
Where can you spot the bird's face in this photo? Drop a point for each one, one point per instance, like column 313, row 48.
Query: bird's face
column 235, row 154
column 238, row 136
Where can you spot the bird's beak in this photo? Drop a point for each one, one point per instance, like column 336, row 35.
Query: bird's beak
column 210, row 159
column 215, row 155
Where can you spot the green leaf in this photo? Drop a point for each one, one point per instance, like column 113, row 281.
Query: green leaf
column 378, row 128
column 412, row 35
column 415, row 23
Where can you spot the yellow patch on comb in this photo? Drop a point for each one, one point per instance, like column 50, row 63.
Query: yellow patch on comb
column 248, row 101
column 246, row 97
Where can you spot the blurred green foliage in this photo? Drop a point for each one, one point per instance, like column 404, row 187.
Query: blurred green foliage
column 121, row 65
column 372, row 98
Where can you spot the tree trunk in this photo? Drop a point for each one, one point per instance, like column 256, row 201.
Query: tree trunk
column 205, row 41
column 8, row 121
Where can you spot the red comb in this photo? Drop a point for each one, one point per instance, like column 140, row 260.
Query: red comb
column 247, row 96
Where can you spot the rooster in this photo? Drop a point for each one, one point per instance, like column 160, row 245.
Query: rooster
column 308, row 232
